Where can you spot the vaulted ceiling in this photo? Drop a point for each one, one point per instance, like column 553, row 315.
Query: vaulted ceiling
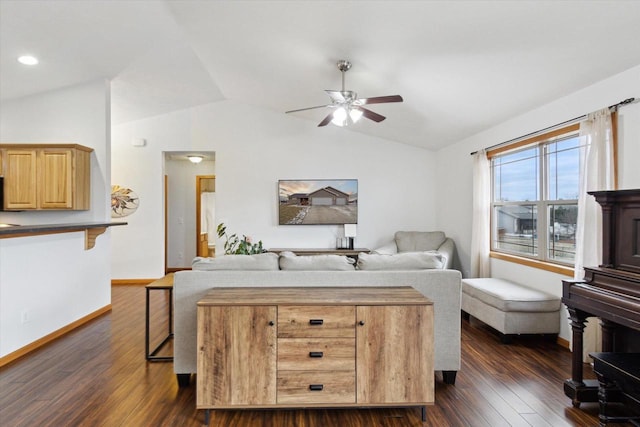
column 461, row 66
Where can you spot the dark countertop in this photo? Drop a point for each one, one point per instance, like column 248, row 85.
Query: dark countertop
column 21, row 230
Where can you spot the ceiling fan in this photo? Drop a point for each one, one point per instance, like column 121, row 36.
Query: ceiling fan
column 347, row 107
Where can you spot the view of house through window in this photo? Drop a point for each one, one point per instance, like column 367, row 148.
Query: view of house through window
column 535, row 199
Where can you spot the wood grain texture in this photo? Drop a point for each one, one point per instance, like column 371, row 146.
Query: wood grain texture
column 90, row 236
column 55, row 178
column 236, row 356
column 20, row 181
column 325, row 295
column 383, row 375
column 97, row 376
column 47, row 176
column 394, row 354
column 296, row 321
column 338, row 354
column 337, row 387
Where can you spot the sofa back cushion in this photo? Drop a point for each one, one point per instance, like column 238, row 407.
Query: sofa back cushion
column 290, row 261
column 415, row 241
column 265, row 261
column 400, row 261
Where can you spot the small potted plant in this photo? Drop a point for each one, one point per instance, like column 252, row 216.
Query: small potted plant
column 233, row 245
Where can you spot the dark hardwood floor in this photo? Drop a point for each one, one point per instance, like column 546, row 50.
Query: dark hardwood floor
column 97, row 376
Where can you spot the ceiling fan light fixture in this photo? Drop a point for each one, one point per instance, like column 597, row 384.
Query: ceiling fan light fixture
column 348, row 108
column 339, row 117
column 355, row 114
column 345, row 116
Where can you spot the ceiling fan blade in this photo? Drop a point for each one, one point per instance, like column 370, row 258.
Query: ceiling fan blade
column 380, row 99
column 336, row 95
column 326, row 120
column 371, row 115
column 308, row 108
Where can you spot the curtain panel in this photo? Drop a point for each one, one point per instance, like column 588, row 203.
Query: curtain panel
column 597, row 172
column 480, row 231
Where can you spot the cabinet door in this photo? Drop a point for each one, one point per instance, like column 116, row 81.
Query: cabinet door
column 236, row 356
column 56, row 178
column 394, row 354
column 20, row 180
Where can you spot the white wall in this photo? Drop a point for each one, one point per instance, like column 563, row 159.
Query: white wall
column 254, row 149
column 52, row 278
column 455, row 183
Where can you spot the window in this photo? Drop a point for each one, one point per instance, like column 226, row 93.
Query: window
column 534, row 207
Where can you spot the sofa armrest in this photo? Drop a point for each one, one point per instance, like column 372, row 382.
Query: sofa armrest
column 388, row 249
column 447, row 249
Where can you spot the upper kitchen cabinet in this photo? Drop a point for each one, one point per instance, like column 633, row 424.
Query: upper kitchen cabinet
column 46, row 177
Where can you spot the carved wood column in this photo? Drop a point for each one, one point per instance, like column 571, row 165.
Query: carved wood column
column 578, row 319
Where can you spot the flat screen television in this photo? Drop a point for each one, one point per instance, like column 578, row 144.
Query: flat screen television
column 317, row 201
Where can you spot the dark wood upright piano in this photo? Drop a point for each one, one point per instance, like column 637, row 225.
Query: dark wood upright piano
column 610, row 292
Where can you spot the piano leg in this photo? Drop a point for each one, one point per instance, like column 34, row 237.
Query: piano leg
column 608, row 335
column 576, row 388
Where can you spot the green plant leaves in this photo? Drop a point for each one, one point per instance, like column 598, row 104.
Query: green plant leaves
column 234, row 246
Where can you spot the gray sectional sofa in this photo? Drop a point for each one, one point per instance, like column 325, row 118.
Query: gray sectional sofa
column 442, row 286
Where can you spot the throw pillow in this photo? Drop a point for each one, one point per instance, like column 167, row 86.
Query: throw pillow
column 289, row 261
column 413, row 241
column 265, row 261
column 400, row 261
column 387, row 249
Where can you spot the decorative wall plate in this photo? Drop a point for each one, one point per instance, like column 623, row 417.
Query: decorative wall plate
column 123, row 201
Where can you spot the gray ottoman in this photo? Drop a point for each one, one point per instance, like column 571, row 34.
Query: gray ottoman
column 511, row 308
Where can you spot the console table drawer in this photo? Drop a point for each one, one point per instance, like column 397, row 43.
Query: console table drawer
column 316, row 321
column 326, row 354
column 306, row 387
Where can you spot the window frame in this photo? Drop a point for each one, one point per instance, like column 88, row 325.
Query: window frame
column 541, row 260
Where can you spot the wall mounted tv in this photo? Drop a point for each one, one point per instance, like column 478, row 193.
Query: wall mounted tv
column 318, row 201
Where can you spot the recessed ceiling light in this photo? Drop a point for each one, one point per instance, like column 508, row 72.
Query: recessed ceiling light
column 28, row 60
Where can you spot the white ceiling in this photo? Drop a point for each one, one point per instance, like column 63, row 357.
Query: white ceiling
column 461, row 66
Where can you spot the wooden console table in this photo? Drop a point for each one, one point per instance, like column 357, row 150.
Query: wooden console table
column 353, row 253
column 312, row 347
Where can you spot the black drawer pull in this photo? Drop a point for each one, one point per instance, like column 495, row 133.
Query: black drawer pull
column 316, row 354
column 316, row 321
column 316, row 387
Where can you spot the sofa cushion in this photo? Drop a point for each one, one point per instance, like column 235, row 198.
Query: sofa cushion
column 290, row 261
column 265, row 261
column 412, row 241
column 401, row 261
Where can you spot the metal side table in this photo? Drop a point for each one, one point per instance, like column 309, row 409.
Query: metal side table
column 164, row 284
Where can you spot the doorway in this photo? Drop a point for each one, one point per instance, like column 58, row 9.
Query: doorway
column 183, row 207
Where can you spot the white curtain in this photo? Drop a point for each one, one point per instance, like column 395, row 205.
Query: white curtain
column 480, row 233
column 596, row 173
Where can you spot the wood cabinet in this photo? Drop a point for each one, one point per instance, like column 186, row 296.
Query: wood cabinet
column 239, row 346
column 314, row 347
column 46, row 177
